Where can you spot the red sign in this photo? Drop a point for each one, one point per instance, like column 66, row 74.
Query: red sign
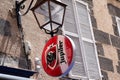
column 57, row 56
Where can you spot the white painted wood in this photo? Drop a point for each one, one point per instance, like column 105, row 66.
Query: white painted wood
column 79, row 28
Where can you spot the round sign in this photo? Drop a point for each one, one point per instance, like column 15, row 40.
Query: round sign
column 57, row 56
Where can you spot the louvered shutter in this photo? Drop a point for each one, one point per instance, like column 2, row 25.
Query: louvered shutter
column 78, row 69
column 69, row 22
column 70, row 29
column 77, row 26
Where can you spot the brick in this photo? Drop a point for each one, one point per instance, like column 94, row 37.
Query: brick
column 114, row 20
column 100, row 49
column 114, row 11
column 117, row 11
column 91, row 11
column 118, row 69
column 115, row 41
column 111, row 9
column 118, row 63
column 105, row 75
column 93, row 20
column 101, row 36
column 106, row 64
column 118, row 52
column 115, row 28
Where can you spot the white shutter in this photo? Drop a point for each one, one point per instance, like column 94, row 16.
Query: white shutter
column 77, row 25
column 69, row 22
column 78, row 69
column 91, row 60
column 88, row 42
column 70, row 29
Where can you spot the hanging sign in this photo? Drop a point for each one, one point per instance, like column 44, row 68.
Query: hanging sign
column 57, row 56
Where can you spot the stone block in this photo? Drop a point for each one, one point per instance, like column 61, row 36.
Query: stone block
column 115, row 41
column 118, row 69
column 115, row 28
column 114, row 20
column 105, row 75
column 118, row 52
column 111, row 9
column 117, row 12
column 93, row 20
column 100, row 49
column 106, row 64
column 101, row 36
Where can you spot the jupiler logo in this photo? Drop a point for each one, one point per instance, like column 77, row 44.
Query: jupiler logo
column 55, row 55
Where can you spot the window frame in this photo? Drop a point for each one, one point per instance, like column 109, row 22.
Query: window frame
column 77, row 36
column 81, row 39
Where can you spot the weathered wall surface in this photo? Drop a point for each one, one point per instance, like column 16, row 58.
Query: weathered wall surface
column 102, row 16
column 105, row 30
column 10, row 42
column 106, row 35
column 9, row 35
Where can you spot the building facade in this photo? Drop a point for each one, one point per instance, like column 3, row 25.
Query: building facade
column 93, row 25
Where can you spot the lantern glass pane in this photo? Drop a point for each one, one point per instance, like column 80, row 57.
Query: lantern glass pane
column 57, row 12
column 43, row 11
column 48, row 26
column 50, row 18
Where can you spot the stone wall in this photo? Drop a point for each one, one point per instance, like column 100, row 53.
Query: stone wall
column 102, row 13
column 10, row 42
column 106, row 36
column 9, row 35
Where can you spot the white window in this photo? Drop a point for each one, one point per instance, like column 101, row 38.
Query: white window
column 118, row 24
column 77, row 25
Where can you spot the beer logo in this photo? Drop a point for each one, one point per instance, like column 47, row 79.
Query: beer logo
column 57, row 56
column 51, row 56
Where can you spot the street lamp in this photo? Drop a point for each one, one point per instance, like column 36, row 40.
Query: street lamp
column 49, row 15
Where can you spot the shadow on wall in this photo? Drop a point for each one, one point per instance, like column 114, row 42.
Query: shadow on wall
column 5, row 27
column 9, row 39
column 10, row 42
column 5, row 32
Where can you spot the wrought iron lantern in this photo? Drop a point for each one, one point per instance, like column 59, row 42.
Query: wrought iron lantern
column 49, row 15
